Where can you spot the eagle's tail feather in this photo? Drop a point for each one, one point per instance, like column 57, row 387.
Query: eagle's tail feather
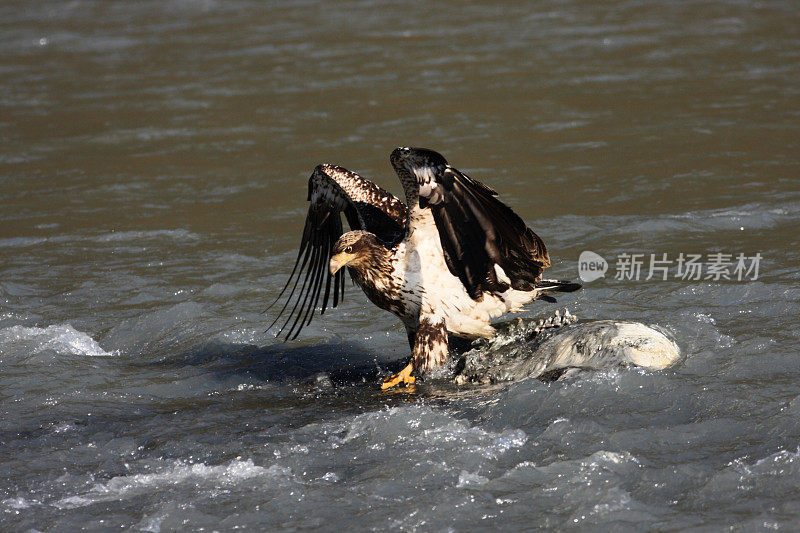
column 556, row 285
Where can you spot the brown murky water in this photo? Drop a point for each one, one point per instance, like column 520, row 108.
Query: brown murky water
column 152, row 193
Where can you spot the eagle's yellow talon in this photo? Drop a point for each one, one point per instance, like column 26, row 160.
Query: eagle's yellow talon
column 403, row 376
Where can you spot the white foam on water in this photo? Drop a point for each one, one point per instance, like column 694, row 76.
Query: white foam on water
column 591, row 469
column 195, row 476
column 14, row 242
column 179, row 235
column 176, row 234
column 466, row 479
column 770, row 477
column 18, row 503
column 60, row 338
column 422, row 427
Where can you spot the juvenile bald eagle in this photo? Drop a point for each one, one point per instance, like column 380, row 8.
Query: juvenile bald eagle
column 447, row 262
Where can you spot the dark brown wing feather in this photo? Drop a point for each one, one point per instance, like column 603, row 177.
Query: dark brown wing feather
column 333, row 190
column 478, row 231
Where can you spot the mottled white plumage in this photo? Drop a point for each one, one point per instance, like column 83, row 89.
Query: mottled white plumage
column 420, row 269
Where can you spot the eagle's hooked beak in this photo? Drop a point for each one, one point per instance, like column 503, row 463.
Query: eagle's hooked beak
column 338, row 261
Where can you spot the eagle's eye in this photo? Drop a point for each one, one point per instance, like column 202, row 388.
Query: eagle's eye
column 349, row 250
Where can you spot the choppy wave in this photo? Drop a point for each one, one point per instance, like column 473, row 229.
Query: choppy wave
column 61, row 339
column 749, row 217
column 770, row 477
column 176, row 234
column 180, row 235
column 198, row 476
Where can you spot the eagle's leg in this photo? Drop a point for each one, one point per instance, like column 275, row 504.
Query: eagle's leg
column 411, row 333
column 429, row 351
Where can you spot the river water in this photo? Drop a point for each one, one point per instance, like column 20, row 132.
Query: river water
column 152, row 195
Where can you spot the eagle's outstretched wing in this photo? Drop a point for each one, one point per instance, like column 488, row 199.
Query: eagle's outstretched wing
column 333, row 190
column 478, row 232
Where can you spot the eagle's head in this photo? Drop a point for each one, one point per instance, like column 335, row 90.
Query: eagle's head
column 358, row 250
